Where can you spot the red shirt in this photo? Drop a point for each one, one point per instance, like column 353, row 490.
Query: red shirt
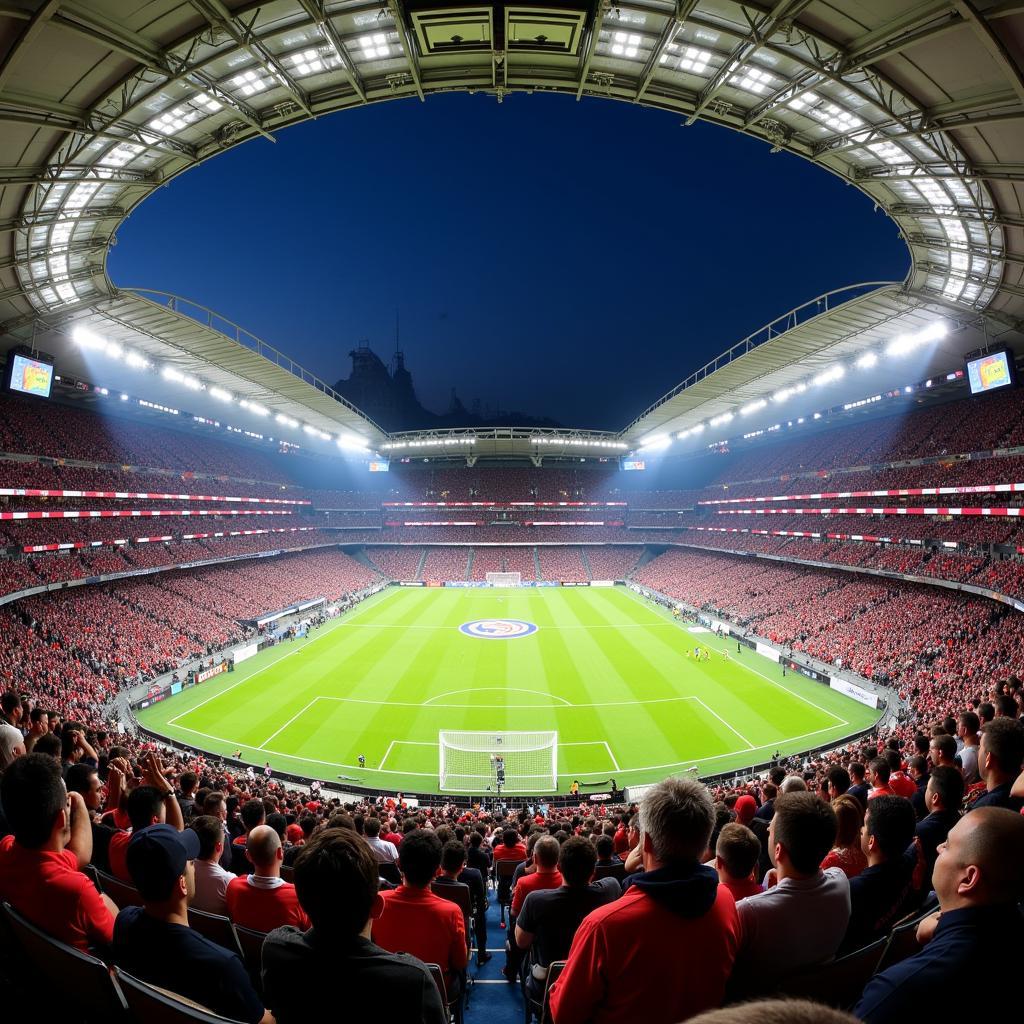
column 117, row 854
column 418, row 922
column 261, row 909
column 391, row 837
column 48, row 889
column 503, row 852
column 880, row 791
column 741, row 888
column 637, row 960
column 551, row 879
column 901, row 785
column 850, row 860
column 620, row 841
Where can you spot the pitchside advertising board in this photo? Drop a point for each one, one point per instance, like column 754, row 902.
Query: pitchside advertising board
column 856, row 692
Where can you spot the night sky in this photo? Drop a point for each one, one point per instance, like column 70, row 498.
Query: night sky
column 571, row 260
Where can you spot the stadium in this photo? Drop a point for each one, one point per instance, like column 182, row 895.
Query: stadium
column 524, row 720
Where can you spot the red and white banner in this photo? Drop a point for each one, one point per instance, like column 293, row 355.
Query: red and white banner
column 902, row 492
column 35, row 492
column 30, row 549
column 893, row 510
column 137, row 513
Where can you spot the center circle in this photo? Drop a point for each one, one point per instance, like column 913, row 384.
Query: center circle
column 497, row 629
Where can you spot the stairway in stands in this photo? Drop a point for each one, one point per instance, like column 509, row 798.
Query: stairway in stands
column 586, row 563
column 469, row 564
column 536, row 562
column 423, row 562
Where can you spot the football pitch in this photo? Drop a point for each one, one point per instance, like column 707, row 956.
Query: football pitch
column 607, row 670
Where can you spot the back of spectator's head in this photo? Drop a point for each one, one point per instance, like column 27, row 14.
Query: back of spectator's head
column 81, row 778
column 145, row 807
column 838, row 780
column 263, row 847
column 982, row 860
column 336, row 878
column 605, row 847
column 48, row 744
column 849, row 818
column 776, row 775
column 577, row 858
column 1002, row 741
column 969, row 722
column 805, row 827
column 770, row 790
column 919, row 766
column 894, row 760
column 253, row 813
column 545, row 852
column 775, row 1011
column 986, row 711
column 1006, row 706
column 157, row 858
column 210, row 831
column 214, row 803
column 745, row 808
column 12, row 744
column 889, row 826
column 738, row 849
column 793, row 784
column 882, row 771
column 371, row 828
column 187, row 782
column 948, row 785
column 419, row 857
column 278, row 822
column 33, row 796
column 453, row 856
column 510, row 837
column 676, row 819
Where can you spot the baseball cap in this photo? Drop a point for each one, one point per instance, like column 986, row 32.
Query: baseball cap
column 156, row 858
column 746, row 808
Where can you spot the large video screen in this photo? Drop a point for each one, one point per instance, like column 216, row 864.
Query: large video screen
column 634, row 464
column 991, row 372
column 379, row 466
column 30, row 376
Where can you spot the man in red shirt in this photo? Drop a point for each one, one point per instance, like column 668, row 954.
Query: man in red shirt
column 40, row 865
column 416, row 921
column 664, row 951
column 263, row 900
column 899, row 782
column 878, row 778
column 510, row 847
column 545, row 874
column 736, row 859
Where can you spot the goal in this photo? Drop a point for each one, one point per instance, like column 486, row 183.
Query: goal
column 498, row 762
column 504, row 579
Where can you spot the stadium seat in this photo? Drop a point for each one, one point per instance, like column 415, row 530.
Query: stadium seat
column 390, row 873
column 216, row 928
column 616, row 871
column 149, row 1004
column 251, row 944
column 83, row 980
column 903, row 939
column 123, row 894
column 460, row 896
column 554, row 971
column 454, row 1006
column 503, row 872
column 838, row 983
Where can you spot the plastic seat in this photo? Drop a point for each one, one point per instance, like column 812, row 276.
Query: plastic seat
column 458, row 893
column 903, row 939
column 82, row 979
column 153, row 1005
column 251, row 944
column 453, row 1006
column 837, row 983
column 554, row 970
column 122, row 893
column 503, row 872
column 616, row 871
column 216, row 928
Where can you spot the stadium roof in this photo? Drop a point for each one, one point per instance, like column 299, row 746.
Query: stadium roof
column 917, row 102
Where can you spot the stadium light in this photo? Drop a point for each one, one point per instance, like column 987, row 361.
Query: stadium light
column 254, row 407
column 752, row 407
column 221, row 395
column 137, row 362
column 725, row 417
column 285, row 421
column 906, row 343
column 783, row 395
column 655, row 443
column 350, row 442
column 867, row 360
column 833, row 373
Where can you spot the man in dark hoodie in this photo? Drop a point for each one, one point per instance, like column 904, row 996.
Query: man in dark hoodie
column 664, row 951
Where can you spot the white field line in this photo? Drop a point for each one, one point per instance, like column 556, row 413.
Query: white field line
column 298, row 714
column 489, row 689
column 403, row 743
column 736, row 732
column 594, row 743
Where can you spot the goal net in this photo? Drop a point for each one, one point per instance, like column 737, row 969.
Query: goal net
column 506, row 762
column 504, row 579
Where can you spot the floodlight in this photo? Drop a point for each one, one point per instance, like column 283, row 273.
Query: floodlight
column 867, row 360
column 286, row 421
column 86, row 338
column 725, row 417
column 221, row 395
column 254, row 407
column 752, row 407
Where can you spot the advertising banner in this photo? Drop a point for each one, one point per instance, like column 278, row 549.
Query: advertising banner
column 856, row 692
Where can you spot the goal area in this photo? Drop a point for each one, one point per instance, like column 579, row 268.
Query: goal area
column 504, row 579
column 498, row 762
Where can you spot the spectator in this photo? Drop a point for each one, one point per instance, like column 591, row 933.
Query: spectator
column 510, row 847
column 942, row 751
column 263, row 900
column 919, row 774
column 604, row 846
column 999, row 762
column 385, row 852
column 155, row 943
column 476, row 854
column 811, row 907
column 776, row 1011
column 968, row 725
column 41, row 863
column 416, row 921
column 943, row 797
column 858, row 786
column 252, row 815
column 767, row 809
column 336, row 877
column 187, row 783
column 544, row 876
column 550, row 917
column 736, row 857
column 878, row 779
column 11, row 710
column 979, row 880
column 454, row 871
column 838, row 782
column 847, row 853
column 624, row 963
column 211, row 880
column 884, row 891
column 900, row 783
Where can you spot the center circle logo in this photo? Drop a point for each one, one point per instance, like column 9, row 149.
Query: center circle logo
column 497, row 629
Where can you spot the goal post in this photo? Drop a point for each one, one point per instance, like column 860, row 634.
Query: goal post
column 504, row 579
column 506, row 762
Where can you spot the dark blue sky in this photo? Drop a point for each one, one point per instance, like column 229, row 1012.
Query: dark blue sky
column 574, row 260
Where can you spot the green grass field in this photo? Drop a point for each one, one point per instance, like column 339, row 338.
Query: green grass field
column 605, row 669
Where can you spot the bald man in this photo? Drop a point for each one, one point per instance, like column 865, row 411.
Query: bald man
column 979, row 879
column 263, row 900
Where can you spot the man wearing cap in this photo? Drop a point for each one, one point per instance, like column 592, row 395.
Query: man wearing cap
column 155, row 943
